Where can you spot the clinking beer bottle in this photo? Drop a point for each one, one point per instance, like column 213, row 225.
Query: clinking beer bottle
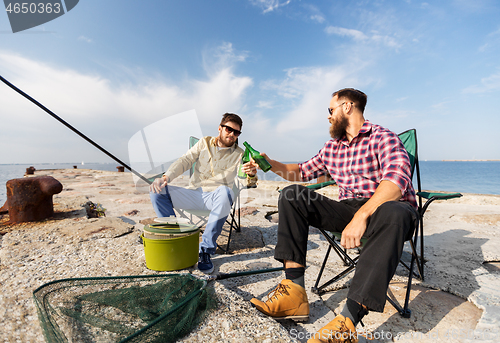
column 258, row 158
column 244, row 159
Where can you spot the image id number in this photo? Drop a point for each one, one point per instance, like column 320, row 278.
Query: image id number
column 32, row 7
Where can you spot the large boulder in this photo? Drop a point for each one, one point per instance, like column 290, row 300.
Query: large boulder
column 30, row 199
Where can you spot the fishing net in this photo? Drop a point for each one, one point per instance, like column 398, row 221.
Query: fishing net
column 147, row 308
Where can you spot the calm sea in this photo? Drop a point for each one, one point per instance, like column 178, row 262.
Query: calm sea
column 481, row 177
column 15, row 171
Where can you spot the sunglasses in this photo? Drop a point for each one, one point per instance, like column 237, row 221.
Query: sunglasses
column 229, row 129
column 330, row 110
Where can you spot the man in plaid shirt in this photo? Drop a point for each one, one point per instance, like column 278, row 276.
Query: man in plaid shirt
column 376, row 201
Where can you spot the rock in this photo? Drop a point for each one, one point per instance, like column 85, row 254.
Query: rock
column 245, row 211
column 30, row 199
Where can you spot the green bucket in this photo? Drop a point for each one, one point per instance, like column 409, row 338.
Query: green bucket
column 174, row 253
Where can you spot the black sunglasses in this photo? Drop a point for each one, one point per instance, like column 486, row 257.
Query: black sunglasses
column 230, row 129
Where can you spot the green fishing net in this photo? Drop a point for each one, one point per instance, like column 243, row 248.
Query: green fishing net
column 147, row 308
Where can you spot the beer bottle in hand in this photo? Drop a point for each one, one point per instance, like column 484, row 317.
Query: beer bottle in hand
column 258, row 158
column 244, row 159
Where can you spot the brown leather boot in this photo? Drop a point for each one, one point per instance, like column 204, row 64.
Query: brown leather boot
column 340, row 329
column 287, row 301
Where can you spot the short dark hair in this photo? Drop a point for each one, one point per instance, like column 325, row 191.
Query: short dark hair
column 227, row 117
column 354, row 95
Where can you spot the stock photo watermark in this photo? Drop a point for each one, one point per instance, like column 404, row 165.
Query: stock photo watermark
column 24, row 15
column 437, row 335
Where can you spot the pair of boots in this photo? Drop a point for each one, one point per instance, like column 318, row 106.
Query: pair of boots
column 289, row 301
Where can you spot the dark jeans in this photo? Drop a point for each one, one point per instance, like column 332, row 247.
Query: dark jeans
column 388, row 228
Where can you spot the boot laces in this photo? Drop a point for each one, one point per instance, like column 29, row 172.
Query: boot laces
column 205, row 257
column 279, row 290
column 342, row 328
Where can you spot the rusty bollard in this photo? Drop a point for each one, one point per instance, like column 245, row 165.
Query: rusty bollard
column 30, row 171
column 121, row 169
column 30, row 199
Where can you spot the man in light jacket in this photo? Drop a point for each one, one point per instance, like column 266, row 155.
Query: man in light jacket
column 210, row 187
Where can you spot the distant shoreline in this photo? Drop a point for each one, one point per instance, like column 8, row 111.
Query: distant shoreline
column 463, row 161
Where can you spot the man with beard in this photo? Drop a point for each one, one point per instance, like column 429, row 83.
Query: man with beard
column 376, row 201
column 210, row 187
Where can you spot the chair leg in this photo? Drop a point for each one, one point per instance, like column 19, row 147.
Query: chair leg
column 351, row 263
column 238, row 227
column 232, row 224
column 314, row 289
column 421, row 262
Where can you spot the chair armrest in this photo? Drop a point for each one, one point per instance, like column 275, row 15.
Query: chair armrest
column 435, row 196
column 321, row 185
column 438, row 196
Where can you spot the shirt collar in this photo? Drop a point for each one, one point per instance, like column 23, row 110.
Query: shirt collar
column 367, row 127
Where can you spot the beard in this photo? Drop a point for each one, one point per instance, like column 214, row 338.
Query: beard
column 226, row 142
column 338, row 129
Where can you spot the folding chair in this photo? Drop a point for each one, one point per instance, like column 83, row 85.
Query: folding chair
column 409, row 139
column 234, row 216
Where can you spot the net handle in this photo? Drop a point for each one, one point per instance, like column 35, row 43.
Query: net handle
column 222, row 276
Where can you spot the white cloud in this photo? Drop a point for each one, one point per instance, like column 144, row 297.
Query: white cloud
column 488, row 84
column 343, row 32
column 314, row 13
column 318, row 17
column 107, row 112
column 269, row 5
column 265, row 104
column 85, row 39
column 359, row 36
column 222, row 57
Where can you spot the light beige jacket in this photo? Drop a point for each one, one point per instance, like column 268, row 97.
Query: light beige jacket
column 214, row 167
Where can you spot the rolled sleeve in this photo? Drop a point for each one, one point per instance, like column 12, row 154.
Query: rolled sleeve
column 395, row 163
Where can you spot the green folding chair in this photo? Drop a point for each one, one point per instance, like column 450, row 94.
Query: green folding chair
column 409, row 139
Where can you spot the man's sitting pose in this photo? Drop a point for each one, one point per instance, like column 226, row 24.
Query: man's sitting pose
column 376, row 201
column 210, row 187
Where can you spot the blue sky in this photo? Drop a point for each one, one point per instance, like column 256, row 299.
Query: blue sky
column 111, row 68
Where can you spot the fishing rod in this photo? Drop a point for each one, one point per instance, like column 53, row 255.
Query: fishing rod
column 72, row 128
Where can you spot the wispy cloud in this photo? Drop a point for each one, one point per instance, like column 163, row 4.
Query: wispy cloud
column 223, row 56
column 359, row 36
column 314, row 13
column 492, row 41
column 343, row 32
column 487, row 85
column 85, row 39
column 269, row 5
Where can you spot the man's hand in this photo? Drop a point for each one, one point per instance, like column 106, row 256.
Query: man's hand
column 158, row 184
column 250, row 168
column 351, row 236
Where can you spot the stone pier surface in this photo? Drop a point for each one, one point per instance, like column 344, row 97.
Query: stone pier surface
column 459, row 301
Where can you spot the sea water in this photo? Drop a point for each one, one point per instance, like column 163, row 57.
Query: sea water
column 16, row 171
column 480, row 177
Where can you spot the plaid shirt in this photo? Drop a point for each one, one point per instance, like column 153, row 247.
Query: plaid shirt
column 375, row 154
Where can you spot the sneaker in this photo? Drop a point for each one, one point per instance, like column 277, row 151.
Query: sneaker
column 287, row 301
column 341, row 329
column 204, row 264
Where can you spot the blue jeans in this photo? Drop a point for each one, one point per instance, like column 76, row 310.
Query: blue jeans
column 218, row 202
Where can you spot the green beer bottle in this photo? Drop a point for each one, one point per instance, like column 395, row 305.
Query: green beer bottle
column 258, row 158
column 244, row 159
